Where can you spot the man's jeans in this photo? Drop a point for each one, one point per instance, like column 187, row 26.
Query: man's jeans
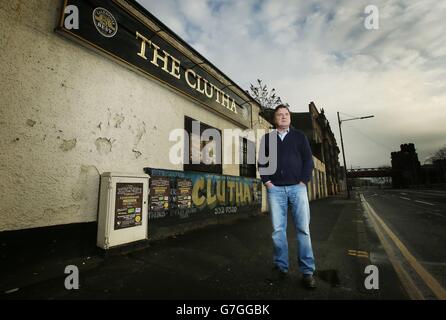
column 278, row 199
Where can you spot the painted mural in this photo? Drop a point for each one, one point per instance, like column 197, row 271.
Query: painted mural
column 176, row 196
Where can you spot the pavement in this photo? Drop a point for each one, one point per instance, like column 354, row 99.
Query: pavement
column 227, row 261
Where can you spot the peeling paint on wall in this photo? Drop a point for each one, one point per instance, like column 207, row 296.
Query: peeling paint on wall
column 140, row 132
column 49, row 212
column 137, row 153
column 68, row 210
column 119, row 118
column 87, row 184
column 64, row 85
column 103, row 145
column 31, row 123
column 108, row 117
column 68, row 145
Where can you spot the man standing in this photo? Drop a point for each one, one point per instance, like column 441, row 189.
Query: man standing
column 287, row 187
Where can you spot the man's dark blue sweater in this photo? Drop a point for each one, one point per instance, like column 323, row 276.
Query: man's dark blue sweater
column 294, row 158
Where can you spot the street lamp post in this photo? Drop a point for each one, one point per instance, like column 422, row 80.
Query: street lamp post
column 342, row 145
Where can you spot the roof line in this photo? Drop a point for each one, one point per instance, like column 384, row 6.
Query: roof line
column 165, row 28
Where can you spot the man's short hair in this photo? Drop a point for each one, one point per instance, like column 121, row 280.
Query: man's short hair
column 281, row 106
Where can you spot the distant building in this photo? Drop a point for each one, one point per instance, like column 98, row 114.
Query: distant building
column 435, row 172
column 440, row 169
column 406, row 167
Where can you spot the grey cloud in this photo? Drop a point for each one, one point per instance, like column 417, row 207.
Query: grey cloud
column 320, row 51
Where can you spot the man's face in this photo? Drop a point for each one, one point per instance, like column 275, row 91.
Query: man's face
column 282, row 118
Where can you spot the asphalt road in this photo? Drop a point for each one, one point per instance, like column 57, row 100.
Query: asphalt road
column 417, row 219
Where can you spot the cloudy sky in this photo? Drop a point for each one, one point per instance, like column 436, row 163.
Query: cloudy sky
column 321, row 51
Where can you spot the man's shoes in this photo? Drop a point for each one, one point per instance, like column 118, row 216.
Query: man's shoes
column 277, row 274
column 308, row 281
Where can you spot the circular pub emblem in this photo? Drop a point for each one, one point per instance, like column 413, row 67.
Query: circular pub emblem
column 104, row 22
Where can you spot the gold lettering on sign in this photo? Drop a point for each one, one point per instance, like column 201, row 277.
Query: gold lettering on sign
column 157, row 56
column 199, row 86
column 162, row 59
column 225, row 100
column 175, row 68
column 165, row 58
column 207, row 84
column 144, row 41
column 188, row 73
column 233, row 107
column 218, row 94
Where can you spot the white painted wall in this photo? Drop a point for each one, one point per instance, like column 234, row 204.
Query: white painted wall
column 68, row 114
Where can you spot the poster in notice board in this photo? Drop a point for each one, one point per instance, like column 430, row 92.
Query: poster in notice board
column 184, row 193
column 128, row 205
column 159, row 193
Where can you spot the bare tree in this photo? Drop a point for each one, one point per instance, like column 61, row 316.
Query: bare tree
column 266, row 98
column 439, row 154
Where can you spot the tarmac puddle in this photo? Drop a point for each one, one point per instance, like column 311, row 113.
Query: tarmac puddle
column 331, row 276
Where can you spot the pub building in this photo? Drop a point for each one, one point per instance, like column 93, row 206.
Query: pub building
column 90, row 87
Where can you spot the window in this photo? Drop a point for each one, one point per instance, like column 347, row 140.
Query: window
column 247, row 169
column 202, row 152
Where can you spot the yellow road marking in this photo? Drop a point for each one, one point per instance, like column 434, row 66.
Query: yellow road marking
column 410, row 287
column 359, row 254
column 430, row 281
column 352, row 254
